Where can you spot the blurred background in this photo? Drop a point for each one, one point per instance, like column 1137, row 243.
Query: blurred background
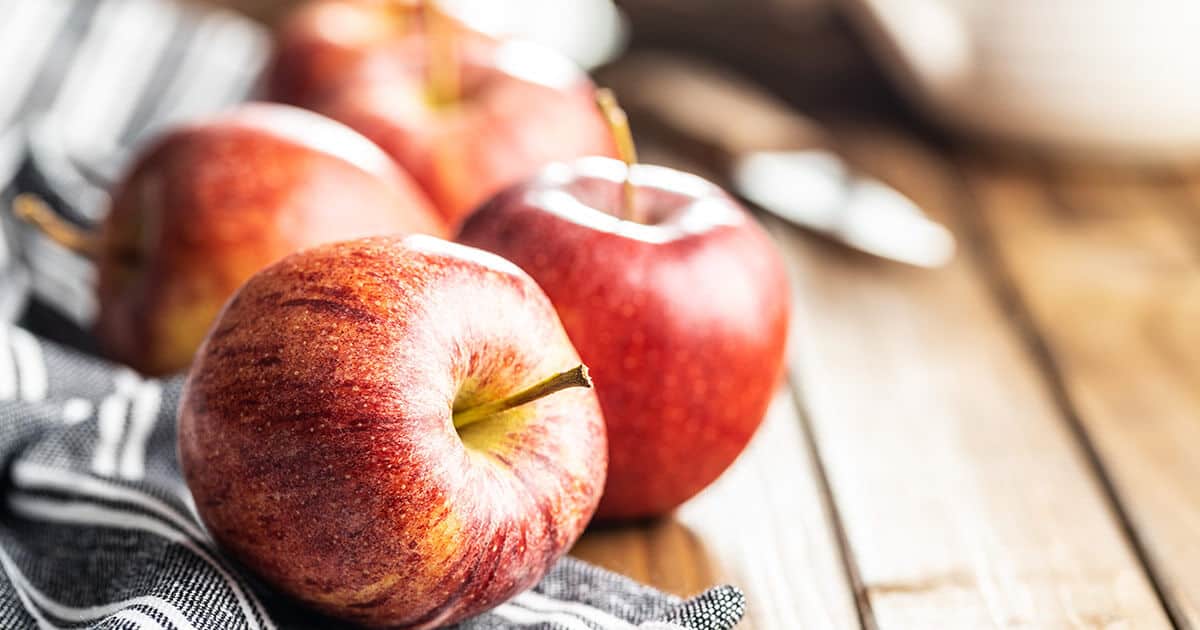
column 1073, row 74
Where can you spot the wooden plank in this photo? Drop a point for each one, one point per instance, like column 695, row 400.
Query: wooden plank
column 1108, row 276
column 965, row 499
column 762, row 526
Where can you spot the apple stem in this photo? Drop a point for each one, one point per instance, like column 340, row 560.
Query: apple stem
column 574, row 377
column 400, row 12
column 35, row 211
column 443, row 73
column 618, row 122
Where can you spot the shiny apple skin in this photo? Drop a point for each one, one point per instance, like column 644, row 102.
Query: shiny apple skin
column 683, row 323
column 323, row 42
column 315, row 432
column 525, row 108
column 214, row 201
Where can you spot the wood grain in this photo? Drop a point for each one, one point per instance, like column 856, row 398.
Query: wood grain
column 1110, row 280
column 967, row 502
column 762, row 526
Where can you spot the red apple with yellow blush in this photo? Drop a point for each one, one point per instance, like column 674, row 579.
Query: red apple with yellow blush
column 394, row 431
column 212, row 202
column 675, row 298
column 466, row 129
column 323, row 42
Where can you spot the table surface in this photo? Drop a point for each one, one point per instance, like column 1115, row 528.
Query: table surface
column 1005, row 442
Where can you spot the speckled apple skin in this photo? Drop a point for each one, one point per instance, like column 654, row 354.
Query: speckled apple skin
column 215, row 201
column 322, row 43
column 315, row 432
column 502, row 130
column 683, row 323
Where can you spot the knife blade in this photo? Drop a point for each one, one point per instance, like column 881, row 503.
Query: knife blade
column 773, row 157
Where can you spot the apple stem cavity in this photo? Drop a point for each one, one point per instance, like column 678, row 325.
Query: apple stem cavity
column 34, row 210
column 443, row 73
column 574, row 377
column 618, row 122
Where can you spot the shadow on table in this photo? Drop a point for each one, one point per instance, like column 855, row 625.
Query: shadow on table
column 663, row 553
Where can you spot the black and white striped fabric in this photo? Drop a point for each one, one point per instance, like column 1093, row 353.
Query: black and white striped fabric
column 83, row 82
column 96, row 527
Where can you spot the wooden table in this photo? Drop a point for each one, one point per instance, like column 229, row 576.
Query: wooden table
column 1007, row 442
column 1010, row 441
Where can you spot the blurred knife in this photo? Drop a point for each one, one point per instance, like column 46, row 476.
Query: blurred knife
column 773, row 157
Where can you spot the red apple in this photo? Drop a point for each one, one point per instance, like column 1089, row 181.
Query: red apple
column 682, row 316
column 525, row 107
column 324, row 41
column 363, row 429
column 214, row 201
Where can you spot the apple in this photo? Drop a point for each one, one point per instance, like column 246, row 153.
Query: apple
column 491, row 124
column 322, row 42
column 675, row 298
column 372, row 427
column 214, row 201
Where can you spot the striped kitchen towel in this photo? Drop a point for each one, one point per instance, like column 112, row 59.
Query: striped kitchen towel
column 96, row 528
column 82, row 84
